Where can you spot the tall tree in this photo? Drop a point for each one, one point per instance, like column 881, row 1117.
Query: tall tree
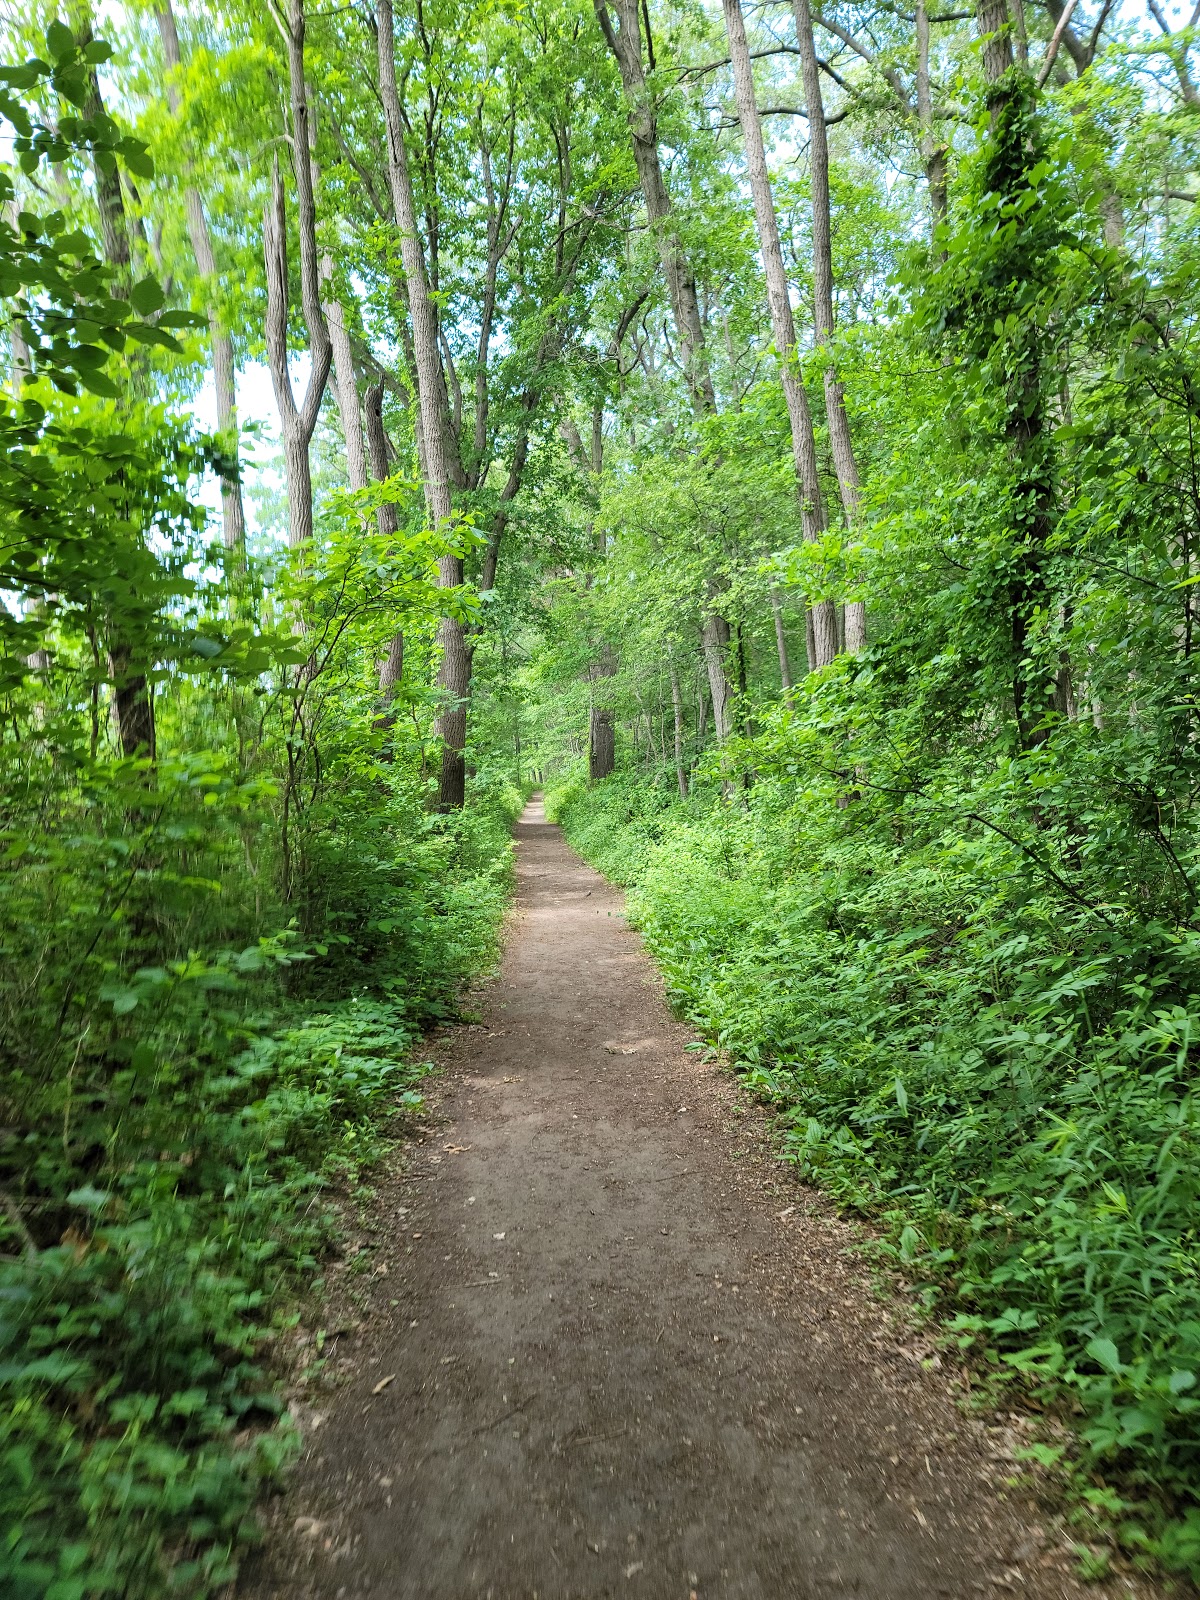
column 297, row 421
column 624, row 40
column 804, row 448
column 836, row 419
column 454, row 677
column 233, row 515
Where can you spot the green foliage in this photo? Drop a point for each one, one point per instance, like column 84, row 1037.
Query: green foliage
column 221, row 933
column 938, row 903
column 1003, row 1083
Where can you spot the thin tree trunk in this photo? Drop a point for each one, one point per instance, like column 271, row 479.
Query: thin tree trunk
column 391, row 668
column 841, row 444
column 601, row 730
column 346, row 391
column 933, row 149
column 233, row 516
column 804, row 448
column 785, row 666
column 22, row 364
column 625, row 43
column 297, row 422
column 454, row 677
column 377, row 451
column 677, row 708
column 714, row 640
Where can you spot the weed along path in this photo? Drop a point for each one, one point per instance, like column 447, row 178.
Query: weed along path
column 612, row 1348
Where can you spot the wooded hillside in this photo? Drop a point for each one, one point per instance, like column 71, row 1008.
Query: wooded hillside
column 773, row 429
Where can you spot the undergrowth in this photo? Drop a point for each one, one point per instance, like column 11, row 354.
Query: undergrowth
column 178, row 1095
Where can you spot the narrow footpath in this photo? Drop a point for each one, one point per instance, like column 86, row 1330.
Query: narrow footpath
column 615, row 1349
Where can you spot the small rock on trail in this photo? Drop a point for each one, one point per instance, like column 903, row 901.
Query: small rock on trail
column 616, row 1351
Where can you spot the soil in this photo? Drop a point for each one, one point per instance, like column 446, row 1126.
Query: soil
column 607, row 1345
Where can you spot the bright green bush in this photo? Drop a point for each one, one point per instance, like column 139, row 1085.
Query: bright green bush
column 170, row 1156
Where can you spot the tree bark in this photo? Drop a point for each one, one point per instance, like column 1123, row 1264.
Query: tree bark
column 995, row 31
column 454, row 677
column 714, row 640
column 391, row 668
column 840, row 441
column 783, row 327
column 377, row 449
column 346, row 390
column 785, row 666
column 602, row 744
column 933, row 149
column 297, row 422
column 677, row 709
column 1009, row 154
column 601, row 728
column 233, row 515
column 625, row 43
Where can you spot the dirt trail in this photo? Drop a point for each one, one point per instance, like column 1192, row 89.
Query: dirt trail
column 625, row 1353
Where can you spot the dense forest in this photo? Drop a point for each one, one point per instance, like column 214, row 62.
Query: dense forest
column 773, row 429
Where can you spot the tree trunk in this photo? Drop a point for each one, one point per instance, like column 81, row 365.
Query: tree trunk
column 601, row 732
column 602, row 745
column 346, row 390
column 132, row 701
column 298, row 471
column 804, row 448
column 233, row 516
column 995, row 32
column 391, row 668
column 714, row 640
column 1010, row 152
column 677, row 708
column 933, row 149
column 785, row 666
column 377, row 450
column 296, row 422
column 823, row 315
column 454, row 677
column 625, row 43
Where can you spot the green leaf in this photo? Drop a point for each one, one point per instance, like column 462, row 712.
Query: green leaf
column 136, row 157
column 60, row 41
column 147, row 296
column 98, row 383
column 1106, row 1354
column 146, row 333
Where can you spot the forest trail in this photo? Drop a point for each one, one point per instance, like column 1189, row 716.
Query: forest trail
column 618, row 1350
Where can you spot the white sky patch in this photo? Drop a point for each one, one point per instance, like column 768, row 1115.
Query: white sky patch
column 258, row 422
